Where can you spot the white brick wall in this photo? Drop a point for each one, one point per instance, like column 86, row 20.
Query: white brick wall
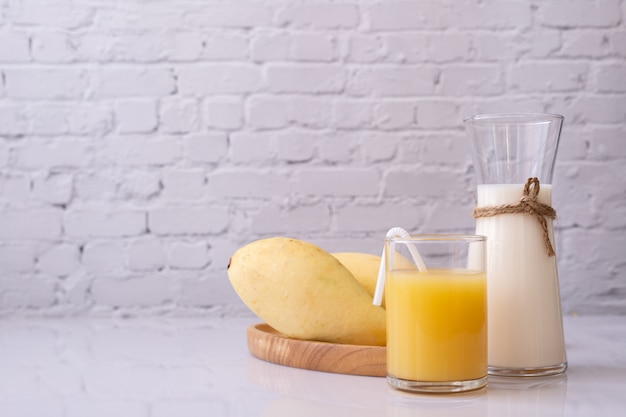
column 141, row 143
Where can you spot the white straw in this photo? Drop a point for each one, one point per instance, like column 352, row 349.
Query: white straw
column 380, row 282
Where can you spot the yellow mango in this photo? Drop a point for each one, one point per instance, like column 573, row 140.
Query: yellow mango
column 304, row 292
column 363, row 266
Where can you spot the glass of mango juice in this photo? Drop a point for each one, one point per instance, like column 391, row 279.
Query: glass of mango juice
column 436, row 302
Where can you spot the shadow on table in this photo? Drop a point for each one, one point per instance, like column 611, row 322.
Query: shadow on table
column 331, row 391
column 312, row 393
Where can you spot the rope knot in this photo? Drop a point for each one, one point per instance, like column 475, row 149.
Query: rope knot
column 527, row 204
column 527, row 200
column 531, row 188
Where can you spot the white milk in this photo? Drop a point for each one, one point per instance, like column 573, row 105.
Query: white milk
column 525, row 323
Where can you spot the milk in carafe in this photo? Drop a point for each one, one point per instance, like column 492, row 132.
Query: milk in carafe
column 525, row 325
column 514, row 156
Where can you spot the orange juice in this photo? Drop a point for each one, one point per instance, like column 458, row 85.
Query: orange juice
column 436, row 325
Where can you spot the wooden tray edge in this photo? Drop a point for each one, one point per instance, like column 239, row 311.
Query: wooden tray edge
column 267, row 344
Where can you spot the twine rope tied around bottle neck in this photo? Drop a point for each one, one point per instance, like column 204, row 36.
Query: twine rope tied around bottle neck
column 527, row 204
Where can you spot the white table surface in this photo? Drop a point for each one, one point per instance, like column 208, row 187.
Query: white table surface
column 201, row 367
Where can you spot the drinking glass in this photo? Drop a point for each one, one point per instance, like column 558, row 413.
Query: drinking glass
column 436, row 301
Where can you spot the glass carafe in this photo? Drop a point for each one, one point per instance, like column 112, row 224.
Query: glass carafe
column 525, row 324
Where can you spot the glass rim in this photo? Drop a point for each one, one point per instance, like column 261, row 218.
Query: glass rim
column 526, row 118
column 437, row 237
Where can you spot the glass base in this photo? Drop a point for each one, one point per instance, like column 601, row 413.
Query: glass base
column 437, row 387
column 528, row 372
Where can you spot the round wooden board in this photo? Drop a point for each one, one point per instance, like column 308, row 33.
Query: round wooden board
column 269, row 345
